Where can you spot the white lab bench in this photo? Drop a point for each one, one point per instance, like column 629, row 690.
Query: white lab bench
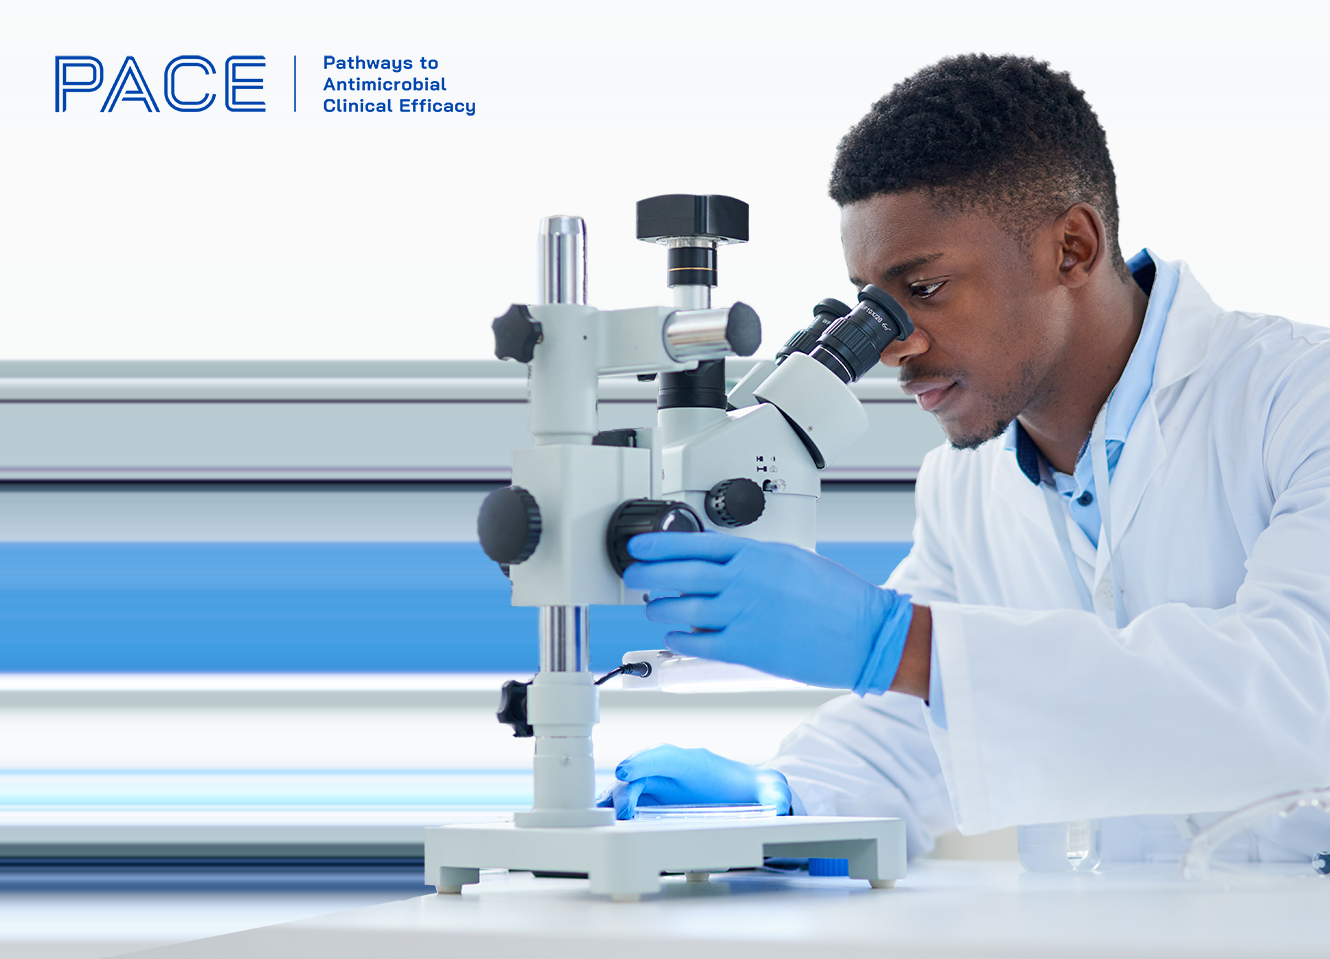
column 942, row 909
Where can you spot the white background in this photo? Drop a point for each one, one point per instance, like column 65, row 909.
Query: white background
column 308, row 235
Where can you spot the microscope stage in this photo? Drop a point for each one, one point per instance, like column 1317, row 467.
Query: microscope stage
column 625, row 859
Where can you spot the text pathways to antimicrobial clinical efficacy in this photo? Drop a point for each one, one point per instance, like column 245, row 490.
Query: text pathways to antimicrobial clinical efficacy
column 338, row 83
column 356, row 84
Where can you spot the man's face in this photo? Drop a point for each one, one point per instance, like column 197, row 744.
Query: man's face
column 990, row 321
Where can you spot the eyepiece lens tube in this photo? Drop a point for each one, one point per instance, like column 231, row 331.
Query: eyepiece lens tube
column 824, row 314
column 853, row 344
column 828, row 311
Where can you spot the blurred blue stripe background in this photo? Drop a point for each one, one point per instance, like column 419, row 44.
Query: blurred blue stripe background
column 294, row 607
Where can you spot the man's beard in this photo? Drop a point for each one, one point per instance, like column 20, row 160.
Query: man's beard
column 978, row 438
column 1000, row 411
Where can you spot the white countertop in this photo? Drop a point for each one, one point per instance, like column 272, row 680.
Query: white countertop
column 942, row 909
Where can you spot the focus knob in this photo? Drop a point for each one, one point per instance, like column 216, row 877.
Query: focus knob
column 645, row 516
column 512, row 708
column 516, row 335
column 509, row 525
column 735, row 502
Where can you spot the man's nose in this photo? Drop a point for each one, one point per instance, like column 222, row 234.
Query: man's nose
column 898, row 351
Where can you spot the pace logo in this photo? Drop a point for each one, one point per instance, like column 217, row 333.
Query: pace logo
column 242, row 75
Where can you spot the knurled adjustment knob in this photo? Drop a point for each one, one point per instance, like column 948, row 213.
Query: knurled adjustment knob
column 646, row 516
column 512, row 708
column 516, row 334
column 509, row 525
column 735, row 502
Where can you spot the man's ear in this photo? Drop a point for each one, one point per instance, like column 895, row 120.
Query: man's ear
column 1081, row 244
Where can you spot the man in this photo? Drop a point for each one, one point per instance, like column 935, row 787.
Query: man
column 1117, row 605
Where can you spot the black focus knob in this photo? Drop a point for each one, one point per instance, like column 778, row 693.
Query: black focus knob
column 735, row 502
column 509, row 525
column 646, row 516
column 516, row 334
column 512, row 708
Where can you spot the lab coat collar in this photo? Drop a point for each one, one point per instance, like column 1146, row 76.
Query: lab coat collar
column 1187, row 333
column 1142, row 455
column 1182, row 349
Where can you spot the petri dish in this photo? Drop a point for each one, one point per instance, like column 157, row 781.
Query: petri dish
column 708, row 811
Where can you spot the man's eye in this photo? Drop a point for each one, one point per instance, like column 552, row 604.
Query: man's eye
column 923, row 291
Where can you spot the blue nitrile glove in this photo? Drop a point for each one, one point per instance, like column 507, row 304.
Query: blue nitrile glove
column 775, row 607
column 671, row 776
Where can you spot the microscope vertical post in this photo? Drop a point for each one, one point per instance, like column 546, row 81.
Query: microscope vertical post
column 562, row 703
column 564, row 630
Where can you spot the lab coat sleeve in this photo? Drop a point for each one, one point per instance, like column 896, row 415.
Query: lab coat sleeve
column 872, row 755
column 926, row 574
column 1053, row 715
column 869, row 756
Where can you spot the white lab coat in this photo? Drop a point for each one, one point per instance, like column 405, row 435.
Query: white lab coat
column 1215, row 695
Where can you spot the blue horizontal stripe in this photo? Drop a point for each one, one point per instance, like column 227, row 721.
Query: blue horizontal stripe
column 294, row 607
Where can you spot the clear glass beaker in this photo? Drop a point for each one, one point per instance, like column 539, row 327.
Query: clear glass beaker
column 1059, row 846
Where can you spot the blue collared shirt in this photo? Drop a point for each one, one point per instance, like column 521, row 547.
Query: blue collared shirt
column 1160, row 282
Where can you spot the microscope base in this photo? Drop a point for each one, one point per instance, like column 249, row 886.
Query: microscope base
column 625, row 860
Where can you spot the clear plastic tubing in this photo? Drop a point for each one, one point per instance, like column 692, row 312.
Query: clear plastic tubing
column 1196, row 861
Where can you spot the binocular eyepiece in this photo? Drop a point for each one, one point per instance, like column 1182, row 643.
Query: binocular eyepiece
column 849, row 342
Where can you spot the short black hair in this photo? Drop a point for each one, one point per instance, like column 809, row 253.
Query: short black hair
column 1005, row 133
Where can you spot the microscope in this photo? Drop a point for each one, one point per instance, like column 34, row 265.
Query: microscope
column 743, row 461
